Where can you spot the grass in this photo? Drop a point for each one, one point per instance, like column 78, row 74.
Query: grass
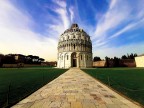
column 128, row 81
column 16, row 84
column 40, row 67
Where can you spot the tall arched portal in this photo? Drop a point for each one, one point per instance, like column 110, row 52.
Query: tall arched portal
column 73, row 60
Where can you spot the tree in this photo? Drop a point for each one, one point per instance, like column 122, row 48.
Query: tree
column 96, row 59
column 1, row 59
column 116, row 62
column 107, row 61
column 124, row 57
column 29, row 59
column 135, row 55
column 131, row 56
column 35, row 59
column 41, row 60
column 9, row 59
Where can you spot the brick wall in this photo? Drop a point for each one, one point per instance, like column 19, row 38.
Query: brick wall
column 99, row 63
column 122, row 63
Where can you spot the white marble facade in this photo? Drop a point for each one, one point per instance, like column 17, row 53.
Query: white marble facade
column 74, row 48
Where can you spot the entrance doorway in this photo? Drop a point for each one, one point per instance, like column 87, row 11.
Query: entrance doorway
column 74, row 63
column 73, row 60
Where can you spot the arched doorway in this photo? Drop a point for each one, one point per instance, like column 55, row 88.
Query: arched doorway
column 73, row 60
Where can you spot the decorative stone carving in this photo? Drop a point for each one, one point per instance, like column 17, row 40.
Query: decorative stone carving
column 74, row 48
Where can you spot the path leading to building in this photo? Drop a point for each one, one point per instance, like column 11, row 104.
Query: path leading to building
column 75, row 89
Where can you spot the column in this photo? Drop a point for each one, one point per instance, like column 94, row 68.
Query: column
column 84, row 60
column 78, row 59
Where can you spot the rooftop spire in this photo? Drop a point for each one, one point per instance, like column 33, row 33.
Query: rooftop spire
column 74, row 25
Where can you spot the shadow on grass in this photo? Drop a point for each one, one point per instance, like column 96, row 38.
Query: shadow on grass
column 16, row 84
column 128, row 81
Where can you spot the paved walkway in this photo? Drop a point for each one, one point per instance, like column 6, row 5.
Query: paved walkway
column 75, row 89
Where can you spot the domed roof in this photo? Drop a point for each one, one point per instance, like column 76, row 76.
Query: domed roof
column 75, row 29
column 74, row 26
column 74, row 33
column 75, row 37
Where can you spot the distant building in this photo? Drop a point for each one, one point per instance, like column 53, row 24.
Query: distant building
column 74, row 48
column 139, row 60
column 111, row 63
column 101, row 63
column 52, row 63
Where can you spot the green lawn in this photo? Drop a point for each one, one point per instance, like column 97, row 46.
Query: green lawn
column 16, row 84
column 128, row 81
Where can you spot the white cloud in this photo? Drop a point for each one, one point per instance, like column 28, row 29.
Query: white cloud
column 113, row 3
column 128, row 27
column 119, row 51
column 62, row 12
column 61, row 3
column 71, row 10
column 120, row 13
column 9, row 15
column 58, row 23
column 114, row 17
column 16, row 35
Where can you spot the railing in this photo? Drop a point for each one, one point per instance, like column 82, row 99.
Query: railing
column 14, row 94
column 135, row 93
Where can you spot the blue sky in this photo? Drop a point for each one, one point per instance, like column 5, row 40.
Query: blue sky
column 33, row 27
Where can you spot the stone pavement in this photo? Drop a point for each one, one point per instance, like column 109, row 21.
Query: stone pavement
column 75, row 89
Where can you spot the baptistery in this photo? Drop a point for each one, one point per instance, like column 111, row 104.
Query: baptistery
column 74, row 48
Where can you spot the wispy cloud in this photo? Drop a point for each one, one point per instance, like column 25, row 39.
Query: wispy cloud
column 119, row 51
column 120, row 14
column 128, row 27
column 16, row 35
column 16, row 29
column 9, row 15
column 17, row 25
column 71, row 10
column 61, row 21
column 111, row 19
column 62, row 12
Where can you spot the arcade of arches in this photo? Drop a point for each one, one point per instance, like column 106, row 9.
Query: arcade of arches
column 74, row 48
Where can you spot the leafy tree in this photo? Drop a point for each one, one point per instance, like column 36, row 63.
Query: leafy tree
column 9, row 59
column 41, row 60
column 116, row 61
column 35, row 59
column 131, row 56
column 1, row 59
column 124, row 57
column 107, row 61
column 97, row 58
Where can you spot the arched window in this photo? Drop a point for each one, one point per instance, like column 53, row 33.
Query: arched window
column 78, row 37
column 81, row 57
column 87, row 57
column 67, row 57
column 74, row 46
column 87, row 39
column 74, row 36
column 67, row 37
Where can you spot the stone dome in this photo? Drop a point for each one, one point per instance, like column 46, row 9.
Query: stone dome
column 74, row 39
